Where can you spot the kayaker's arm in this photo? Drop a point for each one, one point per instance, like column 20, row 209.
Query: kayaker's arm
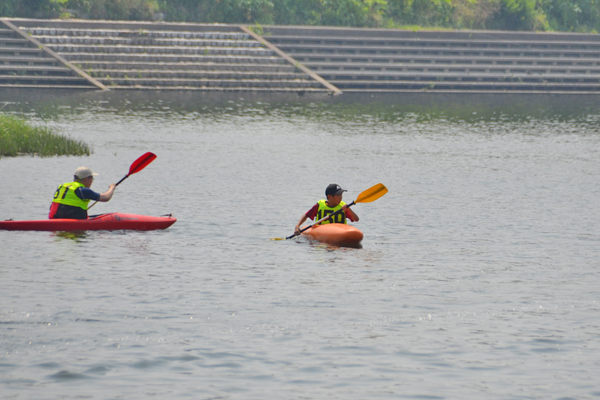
column 351, row 212
column 106, row 196
column 302, row 220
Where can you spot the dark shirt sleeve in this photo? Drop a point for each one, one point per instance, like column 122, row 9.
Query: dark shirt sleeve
column 348, row 215
column 87, row 194
column 312, row 213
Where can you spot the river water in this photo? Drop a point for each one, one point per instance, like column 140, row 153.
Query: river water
column 478, row 277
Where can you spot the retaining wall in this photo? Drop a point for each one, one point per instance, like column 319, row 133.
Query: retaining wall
column 82, row 54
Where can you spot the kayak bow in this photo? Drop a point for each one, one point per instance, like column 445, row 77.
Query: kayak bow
column 335, row 234
column 102, row 222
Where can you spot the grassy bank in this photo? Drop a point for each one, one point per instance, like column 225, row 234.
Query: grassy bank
column 17, row 137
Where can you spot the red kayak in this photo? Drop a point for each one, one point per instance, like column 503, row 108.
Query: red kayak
column 335, row 234
column 102, row 222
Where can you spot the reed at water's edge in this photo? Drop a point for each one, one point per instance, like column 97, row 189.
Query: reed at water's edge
column 18, row 137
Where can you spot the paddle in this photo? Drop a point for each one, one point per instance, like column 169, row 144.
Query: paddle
column 136, row 167
column 367, row 196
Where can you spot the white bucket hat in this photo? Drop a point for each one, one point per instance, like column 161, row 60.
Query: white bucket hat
column 84, row 172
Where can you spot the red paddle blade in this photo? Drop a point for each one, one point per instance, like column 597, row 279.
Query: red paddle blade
column 141, row 163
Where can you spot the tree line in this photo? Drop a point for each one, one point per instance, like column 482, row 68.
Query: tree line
column 525, row 15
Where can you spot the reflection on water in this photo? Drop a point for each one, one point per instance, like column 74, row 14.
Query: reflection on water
column 409, row 107
column 477, row 276
column 77, row 237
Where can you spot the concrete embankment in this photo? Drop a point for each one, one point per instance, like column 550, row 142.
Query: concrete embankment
column 139, row 55
column 165, row 56
column 445, row 61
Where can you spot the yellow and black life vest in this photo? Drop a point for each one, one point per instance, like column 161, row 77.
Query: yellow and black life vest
column 65, row 194
column 325, row 210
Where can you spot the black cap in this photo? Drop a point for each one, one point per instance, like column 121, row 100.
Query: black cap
column 334, row 189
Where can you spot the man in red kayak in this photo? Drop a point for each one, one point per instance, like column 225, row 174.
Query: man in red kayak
column 71, row 199
column 323, row 208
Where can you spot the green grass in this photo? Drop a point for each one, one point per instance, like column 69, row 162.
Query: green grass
column 18, row 137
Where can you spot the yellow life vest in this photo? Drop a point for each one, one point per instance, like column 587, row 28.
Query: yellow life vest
column 325, row 210
column 65, row 194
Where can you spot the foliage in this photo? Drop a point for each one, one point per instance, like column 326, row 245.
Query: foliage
column 421, row 12
column 19, row 137
column 557, row 15
column 30, row 8
column 349, row 12
column 227, row 11
column 573, row 15
column 474, row 14
column 516, row 15
column 133, row 10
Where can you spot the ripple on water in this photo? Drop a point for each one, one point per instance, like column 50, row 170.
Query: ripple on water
column 66, row 375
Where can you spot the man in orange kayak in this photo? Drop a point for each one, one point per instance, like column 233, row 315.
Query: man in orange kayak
column 323, row 208
column 71, row 199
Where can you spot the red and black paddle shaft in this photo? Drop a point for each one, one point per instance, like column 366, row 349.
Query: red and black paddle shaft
column 136, row 167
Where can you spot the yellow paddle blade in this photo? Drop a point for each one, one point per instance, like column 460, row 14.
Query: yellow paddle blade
column 277, row 239
column 372, row 194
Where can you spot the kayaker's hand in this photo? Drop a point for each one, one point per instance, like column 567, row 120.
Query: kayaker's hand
column 297, row 229
column 106, row 196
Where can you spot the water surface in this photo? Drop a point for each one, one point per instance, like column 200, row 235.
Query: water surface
column 478, row 276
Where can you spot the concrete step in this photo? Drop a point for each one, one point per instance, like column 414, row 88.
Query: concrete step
column 333, row 59
column 42, row 79
column 215, row 74
column 17, row 51
column 35, row 59
column 4, row 32
column 445, row 76
column 14, row 42
column 83, row 58
column 35, row 69
column 160, row 50
column 209, row 82
column 284, row 41
column 45, row 86
column 135, row 33
column 185, row 66
column 465, row 35
column 465, row 68
column 114, row 41
column 475, row 85
column 281, row 89
column 434, row 51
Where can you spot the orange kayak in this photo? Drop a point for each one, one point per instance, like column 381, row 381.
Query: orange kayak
column 335, row 234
